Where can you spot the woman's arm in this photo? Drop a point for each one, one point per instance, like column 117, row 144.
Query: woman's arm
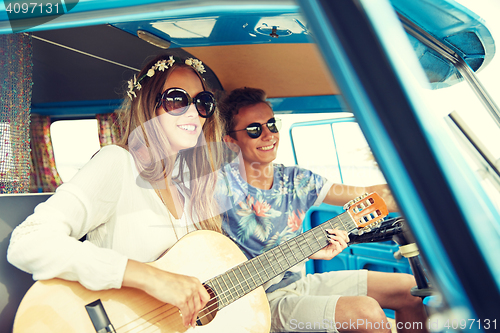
column 47, row 243
column 185, row 292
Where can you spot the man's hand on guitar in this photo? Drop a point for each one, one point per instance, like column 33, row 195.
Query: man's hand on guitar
column 185, row 292
column 338, row 242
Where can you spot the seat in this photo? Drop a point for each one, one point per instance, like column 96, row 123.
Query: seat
column 14, row 283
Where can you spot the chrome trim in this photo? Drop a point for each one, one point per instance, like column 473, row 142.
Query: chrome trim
column 456, row 59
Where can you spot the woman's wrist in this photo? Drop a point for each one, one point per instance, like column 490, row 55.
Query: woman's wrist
column 137, row 275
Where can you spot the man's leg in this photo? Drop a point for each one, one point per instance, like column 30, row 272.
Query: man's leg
column 334, row 300
column 360, row 314
column 392, row 291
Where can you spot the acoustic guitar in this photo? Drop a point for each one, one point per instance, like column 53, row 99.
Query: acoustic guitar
column 62, row 306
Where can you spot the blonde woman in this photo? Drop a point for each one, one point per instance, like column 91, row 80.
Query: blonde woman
column 134, row 200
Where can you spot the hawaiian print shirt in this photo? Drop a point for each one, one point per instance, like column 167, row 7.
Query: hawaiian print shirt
column 258, row 220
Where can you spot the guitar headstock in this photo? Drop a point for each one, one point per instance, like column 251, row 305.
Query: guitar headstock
column 367, row 210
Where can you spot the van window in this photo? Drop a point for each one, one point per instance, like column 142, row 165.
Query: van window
column 74, row 143
column 337, row 150
column 285, row 150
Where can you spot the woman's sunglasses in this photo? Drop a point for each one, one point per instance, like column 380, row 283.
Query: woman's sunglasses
column 176, row 101
column 254, row 130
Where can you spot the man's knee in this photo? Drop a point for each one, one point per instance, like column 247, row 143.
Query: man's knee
column 362, row 315
column 372, row 311
column 407, row 299
column 408, row 280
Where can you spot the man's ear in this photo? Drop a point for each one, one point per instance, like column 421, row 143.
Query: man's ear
column 231, row 143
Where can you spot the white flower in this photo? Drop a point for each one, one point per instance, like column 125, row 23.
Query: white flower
column 130, row 84
column 283, row 190
column 130, row 93
column 196, row 64
column 162, row 65
column 200, row 68
column 171, row 61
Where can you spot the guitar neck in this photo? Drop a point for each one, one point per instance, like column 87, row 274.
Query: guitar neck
column 242, row 279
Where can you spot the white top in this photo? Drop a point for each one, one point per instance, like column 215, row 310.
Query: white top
column 121, row 214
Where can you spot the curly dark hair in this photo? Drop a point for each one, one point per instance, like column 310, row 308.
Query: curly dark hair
column 237, row 99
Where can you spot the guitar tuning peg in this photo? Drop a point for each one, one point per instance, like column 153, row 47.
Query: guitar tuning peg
column 362, row 196
column 349, row 204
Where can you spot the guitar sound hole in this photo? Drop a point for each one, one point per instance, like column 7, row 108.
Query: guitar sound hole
column 207, row 314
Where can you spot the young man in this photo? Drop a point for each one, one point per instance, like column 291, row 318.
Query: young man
column 266, row 204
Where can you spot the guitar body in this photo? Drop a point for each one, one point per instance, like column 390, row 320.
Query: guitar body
column 59, row 306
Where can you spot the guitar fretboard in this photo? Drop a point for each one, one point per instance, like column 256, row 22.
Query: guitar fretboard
column 242, row 279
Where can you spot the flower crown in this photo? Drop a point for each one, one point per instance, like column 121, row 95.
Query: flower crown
column 161, row 65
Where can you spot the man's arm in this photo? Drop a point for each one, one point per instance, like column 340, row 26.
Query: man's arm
column 339, row 195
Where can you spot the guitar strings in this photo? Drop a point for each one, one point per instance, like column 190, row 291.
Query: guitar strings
column 240, row 284
column 148, row 321
column 307, row 236
column 168, row 312
column 294, row 246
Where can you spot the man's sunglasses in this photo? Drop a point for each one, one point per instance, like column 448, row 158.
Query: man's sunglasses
column 254, row 130
column 176, row 101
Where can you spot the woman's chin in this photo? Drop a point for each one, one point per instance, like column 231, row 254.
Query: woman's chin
column 187, row 145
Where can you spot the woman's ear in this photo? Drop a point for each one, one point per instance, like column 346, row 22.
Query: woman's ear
column 231, row 143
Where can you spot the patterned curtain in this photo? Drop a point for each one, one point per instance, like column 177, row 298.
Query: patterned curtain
column 109, row 131
column 44, row 175
column 16, row 68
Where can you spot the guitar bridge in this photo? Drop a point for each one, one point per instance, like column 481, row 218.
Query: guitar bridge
column 99, row 317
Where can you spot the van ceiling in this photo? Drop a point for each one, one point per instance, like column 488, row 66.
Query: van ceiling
column 65, row 67
column 94, row 63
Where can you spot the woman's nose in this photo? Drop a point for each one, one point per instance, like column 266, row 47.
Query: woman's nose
column 192, row 112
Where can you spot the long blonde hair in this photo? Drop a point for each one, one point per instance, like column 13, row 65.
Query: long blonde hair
column 197, row 166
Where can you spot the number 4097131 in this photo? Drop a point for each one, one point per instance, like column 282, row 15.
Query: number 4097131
column 32, row 8
column 471, row 323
